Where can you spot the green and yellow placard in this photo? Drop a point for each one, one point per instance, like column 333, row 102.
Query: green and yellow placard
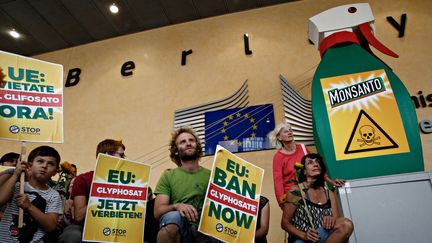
column 117, row 205
column 232, row 200
column 3, row 168
column 364, row 117
column 31, row 99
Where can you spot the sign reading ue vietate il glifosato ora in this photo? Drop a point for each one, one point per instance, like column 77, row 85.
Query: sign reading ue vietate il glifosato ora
column 31, row 99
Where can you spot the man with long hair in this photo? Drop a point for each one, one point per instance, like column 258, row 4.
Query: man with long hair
column 181, row 191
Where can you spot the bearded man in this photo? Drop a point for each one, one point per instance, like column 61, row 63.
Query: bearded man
column 181, row 191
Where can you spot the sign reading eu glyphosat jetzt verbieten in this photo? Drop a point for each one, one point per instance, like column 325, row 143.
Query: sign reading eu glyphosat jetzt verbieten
column 117, row 204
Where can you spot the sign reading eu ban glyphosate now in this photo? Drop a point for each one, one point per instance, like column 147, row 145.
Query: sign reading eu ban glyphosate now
column 364, row 117
column 31, row 99
column 117, row 205
column 232, row 201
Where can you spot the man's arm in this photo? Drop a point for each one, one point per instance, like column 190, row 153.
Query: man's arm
column 162, row 207
column 69, row 209
column 79, row 193
column 80, row 208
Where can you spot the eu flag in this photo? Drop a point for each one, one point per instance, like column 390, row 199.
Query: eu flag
column 239, row 129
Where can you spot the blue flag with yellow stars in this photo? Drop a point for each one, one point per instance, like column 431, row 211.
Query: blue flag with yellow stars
column 239, row 129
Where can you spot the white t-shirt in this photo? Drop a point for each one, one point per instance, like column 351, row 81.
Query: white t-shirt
column 9, row 223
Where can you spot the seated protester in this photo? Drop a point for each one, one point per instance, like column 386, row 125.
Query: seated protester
column 320, row 201
column 9, row 159
column 181, row 191
column 42, row 204
column 151, row 226
column 81, row 192
column 287, row 154
column 263, row 220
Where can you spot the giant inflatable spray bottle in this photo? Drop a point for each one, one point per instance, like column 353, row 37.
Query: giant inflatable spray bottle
column 364, row 121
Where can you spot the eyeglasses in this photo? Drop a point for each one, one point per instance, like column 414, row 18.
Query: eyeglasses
column 117, row 154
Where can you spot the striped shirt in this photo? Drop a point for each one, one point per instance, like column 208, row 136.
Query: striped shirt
column 10, row 218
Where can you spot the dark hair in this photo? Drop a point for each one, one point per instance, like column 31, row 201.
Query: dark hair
column 44, row 151
column 174, row 154
column 9, row 157
column 149, row 192
column 320, row 180
column 109, row 146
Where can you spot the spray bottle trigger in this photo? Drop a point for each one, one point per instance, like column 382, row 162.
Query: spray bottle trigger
column 366, row 31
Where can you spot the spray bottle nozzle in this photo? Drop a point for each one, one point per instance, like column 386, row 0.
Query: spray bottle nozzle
column 366, row 31
column 348, row 23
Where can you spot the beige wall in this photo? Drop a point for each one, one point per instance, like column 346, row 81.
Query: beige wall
column 140, row 108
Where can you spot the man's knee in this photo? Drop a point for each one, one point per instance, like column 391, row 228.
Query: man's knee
column 170, row 230
column 172, row 217
column 71, row 234
column 172, row 224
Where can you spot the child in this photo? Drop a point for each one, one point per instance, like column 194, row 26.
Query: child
column 42, row 204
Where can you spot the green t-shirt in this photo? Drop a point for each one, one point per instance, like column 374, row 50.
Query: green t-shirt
column 184, row 187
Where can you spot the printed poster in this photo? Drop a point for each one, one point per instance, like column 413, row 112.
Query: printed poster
column 364, row 117
column 31, row 99
column 3, row 168
column 232, row 200
column 117, row 205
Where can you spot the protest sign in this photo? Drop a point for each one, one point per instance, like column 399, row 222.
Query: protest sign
column 31, row 99
column 232, row 200
column 117, row 205
column 3, row 168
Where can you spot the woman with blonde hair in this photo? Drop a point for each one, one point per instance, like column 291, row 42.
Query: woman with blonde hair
column 287, row 154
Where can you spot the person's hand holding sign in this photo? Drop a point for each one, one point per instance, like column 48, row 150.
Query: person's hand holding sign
column 187, row 211
column 20, row 167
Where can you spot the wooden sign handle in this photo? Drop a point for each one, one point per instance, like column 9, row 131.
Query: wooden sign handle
column 22, row 182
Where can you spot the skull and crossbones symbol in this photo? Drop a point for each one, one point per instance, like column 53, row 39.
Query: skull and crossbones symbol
column 367, row 134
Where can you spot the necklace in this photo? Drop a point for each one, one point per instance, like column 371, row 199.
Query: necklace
column 316, row 194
